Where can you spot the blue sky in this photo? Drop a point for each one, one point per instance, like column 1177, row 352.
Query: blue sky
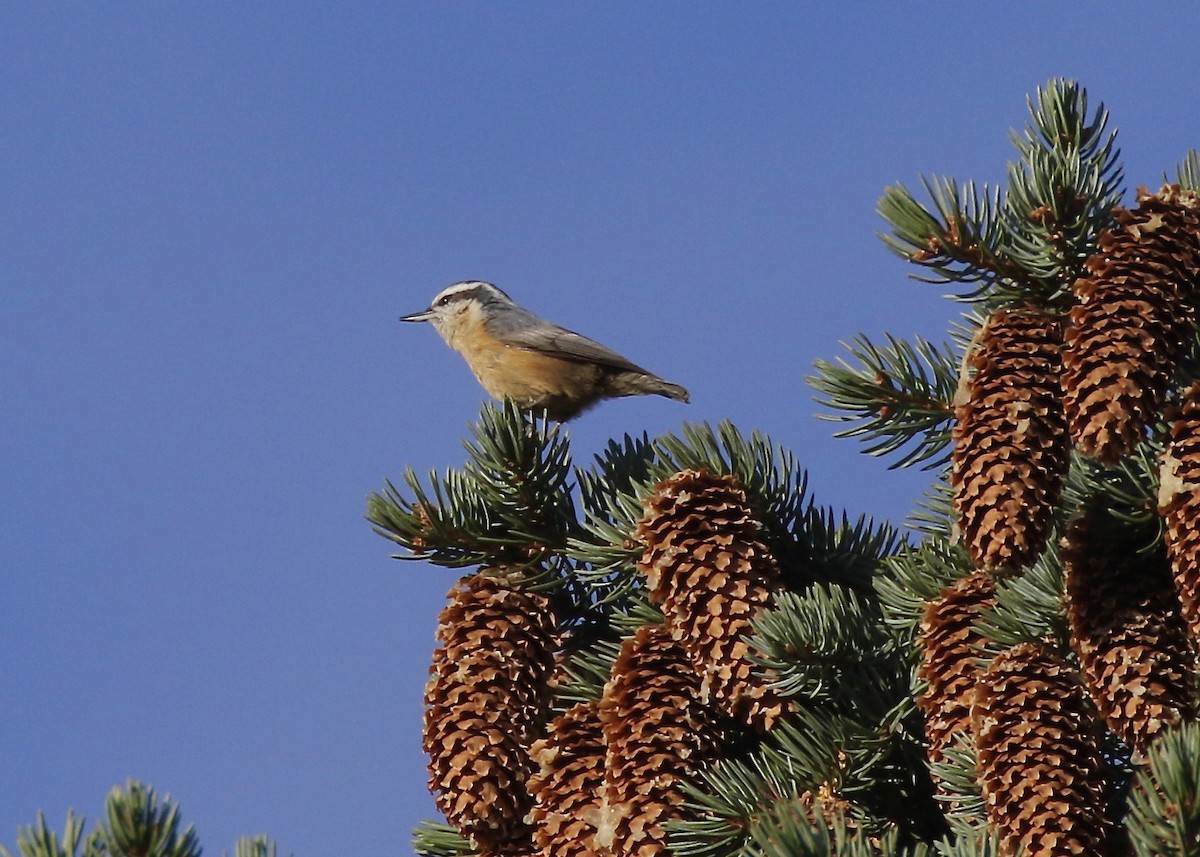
column 211, row 216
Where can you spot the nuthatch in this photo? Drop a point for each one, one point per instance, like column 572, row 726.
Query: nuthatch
column 516, row 355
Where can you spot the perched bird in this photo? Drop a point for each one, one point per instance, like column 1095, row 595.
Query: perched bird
column 516, row 355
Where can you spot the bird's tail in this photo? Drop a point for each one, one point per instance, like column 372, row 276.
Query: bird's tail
column 645, row 384
column 672, row 391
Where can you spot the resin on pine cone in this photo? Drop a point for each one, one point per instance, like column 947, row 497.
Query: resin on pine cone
column 711, row 574
column 657, row 731
column 486, row 702
column 1179, row 504
column 1128, row 633
column 1135, row 311
column 568, row 783
column 950, row 646
column 1040, row 763
column 1010, row 440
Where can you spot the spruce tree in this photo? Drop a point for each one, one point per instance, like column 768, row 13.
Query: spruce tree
column 136, row 823
column 675, row 650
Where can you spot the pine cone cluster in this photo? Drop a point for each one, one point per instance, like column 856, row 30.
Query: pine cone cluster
column 1010, row 440
column 657, row 730
column 1035, row 390
column 1132, row 320
column 568, row 784
column 599, row 779
column 1039, row 760
column 602, row 777
column 485, row 704
column 1127, row 631
column 950, row 646
column 1179, row 504
column 706, row 566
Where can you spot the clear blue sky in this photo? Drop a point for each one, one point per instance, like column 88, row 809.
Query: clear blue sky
column 211, row 216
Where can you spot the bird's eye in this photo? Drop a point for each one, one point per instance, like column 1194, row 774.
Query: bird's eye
column 442, row 301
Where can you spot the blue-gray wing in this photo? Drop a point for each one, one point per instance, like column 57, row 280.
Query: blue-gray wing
column 526, row 330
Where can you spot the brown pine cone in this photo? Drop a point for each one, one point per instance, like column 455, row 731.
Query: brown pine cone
column 1010, row 440
column 711, row 574
column 1129, row 329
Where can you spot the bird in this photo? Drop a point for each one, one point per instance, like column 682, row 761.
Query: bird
column 517, row 355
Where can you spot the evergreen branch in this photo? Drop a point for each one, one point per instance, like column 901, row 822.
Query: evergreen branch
column 1187, row 174
column 1059, row 119
column 586, row 672
column 611, row 493
column 885, row 778
column 961, row 241
column 793, row 828
column 827, row 651
column 728, row 797
column 724, row 799
column 934, row 515
column 437, row 839
column 897, row 395
column 913, row 578
column 824, row 645
column 1062, row 191
column 137, row 826
column 811, row 755
column 255, row 846
column 522, row 468
column 845, row 735
column 811, row 744
column 635, row 612
column 1164, row 805
column 1127, row 493
column 511, row 504
column 958, row 788
column 136, row 823
column 964, row 332
column 39, row 840
column 845, row 552
column 446, row 524
column 978, row 842
column 607, row 559
column 704, row 837
column 1029, row 243
column 810, row 543
column 853, row 756
column 592, row 642
column 1030, row 607
column 620, row 470
column 801, row 827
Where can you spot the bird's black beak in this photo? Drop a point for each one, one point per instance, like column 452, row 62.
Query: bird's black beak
column 423, row 315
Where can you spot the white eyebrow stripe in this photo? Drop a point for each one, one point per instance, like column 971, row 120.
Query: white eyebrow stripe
column 465, row 288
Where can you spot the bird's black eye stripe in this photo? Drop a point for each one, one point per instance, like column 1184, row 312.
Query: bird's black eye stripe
column 465, row 294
